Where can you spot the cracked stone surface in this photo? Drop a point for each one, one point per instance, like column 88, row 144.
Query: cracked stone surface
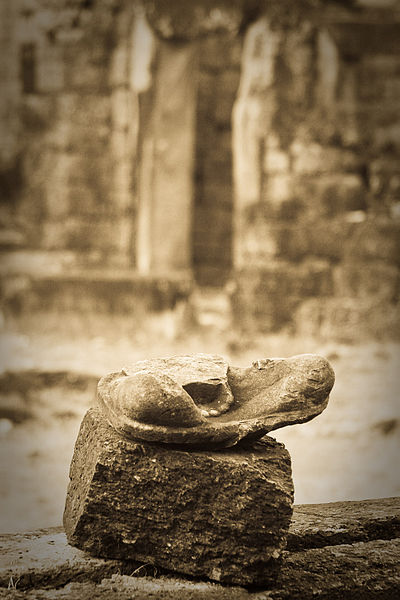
column 200, row 400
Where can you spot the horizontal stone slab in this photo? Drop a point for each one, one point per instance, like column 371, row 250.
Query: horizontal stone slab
column 318, row 525
column 218, row 515
column 361, row 570
column 45, row 557
column 119, row 292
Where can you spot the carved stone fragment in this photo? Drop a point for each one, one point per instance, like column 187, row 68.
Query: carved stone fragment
column 199, row 400
column 158, row 476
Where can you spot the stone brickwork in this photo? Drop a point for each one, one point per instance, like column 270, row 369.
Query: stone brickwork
column 76, row 123
column 229, row 140
column 316, row 153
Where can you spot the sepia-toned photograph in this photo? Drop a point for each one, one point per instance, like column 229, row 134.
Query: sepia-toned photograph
column 200, row 299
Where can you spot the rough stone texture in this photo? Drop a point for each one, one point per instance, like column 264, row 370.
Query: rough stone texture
column 364, row 570
column 123, row 587
column 367, row 569
column 223, row 516
column 360, row 570
column 43, row 557
column 334, row 523
column 203, row 376
column 198, row 400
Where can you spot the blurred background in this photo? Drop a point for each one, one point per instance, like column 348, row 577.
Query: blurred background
column 217, row 176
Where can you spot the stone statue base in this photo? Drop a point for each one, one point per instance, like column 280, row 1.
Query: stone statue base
column 222, row 515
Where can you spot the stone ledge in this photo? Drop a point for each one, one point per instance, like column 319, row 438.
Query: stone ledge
column 343, row 568
column 43, row 558
column 333, row 523
column 94, row 291
column 367, row 570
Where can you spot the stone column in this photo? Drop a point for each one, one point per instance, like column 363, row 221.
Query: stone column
column 168, row 122
column 166, row 164
column 251, row 121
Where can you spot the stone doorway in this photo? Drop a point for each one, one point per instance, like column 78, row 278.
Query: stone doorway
column 218, row 81
column 185, row 185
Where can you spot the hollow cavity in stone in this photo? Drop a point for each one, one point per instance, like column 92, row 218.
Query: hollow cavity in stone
column 199, row 400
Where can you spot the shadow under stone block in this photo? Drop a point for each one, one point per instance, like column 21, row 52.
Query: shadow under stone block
column 222, row 515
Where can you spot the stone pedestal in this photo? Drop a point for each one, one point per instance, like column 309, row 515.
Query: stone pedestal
column 222, row 515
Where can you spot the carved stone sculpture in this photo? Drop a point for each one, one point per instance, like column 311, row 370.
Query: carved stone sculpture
column 200, row 400
column 221, row 515
column 158, row 477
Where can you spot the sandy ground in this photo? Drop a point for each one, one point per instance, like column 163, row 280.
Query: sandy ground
column 349, row 452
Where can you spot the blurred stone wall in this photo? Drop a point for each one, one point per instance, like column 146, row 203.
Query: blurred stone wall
column 243, row 141
column 219, row 75
column 316, row 148
column 69, row 123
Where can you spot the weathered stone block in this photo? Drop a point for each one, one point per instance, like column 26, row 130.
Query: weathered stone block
column 337, row 193
column 34, row 113
column 311, row 278
column 269, row 210
column 266, row 298
column 376, row 239
column 380, row 37
column 106, row 291
column 348, row 319
column 279, row 188
column 93, row 113
column 363, row 279
column 275, row 160
column 83, row 69
column 327, row 238
column 330, row 194
column 311, row 158
column 222, row 515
